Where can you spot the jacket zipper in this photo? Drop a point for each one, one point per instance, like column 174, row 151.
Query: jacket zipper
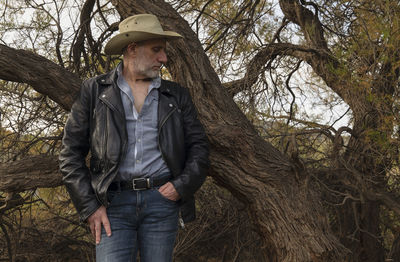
column 123, row 149
column 180, row 220
column 159, row 131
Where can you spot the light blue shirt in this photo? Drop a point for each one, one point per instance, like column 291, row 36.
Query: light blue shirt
column 143, row 157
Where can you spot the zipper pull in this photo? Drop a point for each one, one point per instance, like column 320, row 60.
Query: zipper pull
column 181, row 223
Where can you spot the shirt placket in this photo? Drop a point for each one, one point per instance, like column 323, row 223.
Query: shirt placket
column 139, row 132
column 138, row 150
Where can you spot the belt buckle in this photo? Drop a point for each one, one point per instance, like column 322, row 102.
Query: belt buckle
column 147, row 180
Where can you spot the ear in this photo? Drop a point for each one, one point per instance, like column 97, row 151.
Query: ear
column 131, row 49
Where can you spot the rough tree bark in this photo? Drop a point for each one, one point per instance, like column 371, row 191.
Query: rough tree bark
column 284, row 209
column 29, row 173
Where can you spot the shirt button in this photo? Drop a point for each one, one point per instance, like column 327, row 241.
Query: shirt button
column 138, row 161
column 170, row 105
column 139, row 140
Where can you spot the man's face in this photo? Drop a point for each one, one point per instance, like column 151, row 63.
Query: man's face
column 150, row 56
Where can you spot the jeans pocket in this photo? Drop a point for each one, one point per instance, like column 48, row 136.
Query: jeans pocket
column 163, row 197
column 111, row 196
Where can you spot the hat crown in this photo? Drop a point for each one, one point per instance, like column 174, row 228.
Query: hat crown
column 137, row 28
column 141, row 23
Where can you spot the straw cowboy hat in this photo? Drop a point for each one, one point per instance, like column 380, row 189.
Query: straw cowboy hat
column 135, row 29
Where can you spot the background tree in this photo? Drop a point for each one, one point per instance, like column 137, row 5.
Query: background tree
column 267, row 78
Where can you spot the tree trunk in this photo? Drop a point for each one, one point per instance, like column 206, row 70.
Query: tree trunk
column 29, row 173
column 360, row 219
column 366, row 156
column 360, row 231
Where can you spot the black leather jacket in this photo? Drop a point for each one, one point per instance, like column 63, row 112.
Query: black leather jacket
column 97, row 123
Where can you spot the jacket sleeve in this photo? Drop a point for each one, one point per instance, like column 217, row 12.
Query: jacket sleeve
column 196, row 145
column 75, row 147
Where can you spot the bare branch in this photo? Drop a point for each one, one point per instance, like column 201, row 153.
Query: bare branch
column 84, row 28
column 291, row 91
column 200, row 14
column 265, row 55
column 233, row 21
column 276, row 36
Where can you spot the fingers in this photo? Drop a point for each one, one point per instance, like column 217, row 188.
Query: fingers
column 97, row 229
column 96, row 220
column 163, row 188
column 168, row 190
column 106, row 225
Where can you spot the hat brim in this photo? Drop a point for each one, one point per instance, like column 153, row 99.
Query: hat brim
column 120, row 41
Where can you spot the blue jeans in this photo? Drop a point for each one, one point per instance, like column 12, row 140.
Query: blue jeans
column 140, row 220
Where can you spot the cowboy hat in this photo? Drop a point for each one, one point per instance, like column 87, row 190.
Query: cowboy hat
column 135, row 29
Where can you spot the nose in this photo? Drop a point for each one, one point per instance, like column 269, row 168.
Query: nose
column 162, row 57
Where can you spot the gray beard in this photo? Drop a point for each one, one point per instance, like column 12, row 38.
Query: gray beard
column 145, row 72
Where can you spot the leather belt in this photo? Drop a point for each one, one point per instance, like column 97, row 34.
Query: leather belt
column 142, row 183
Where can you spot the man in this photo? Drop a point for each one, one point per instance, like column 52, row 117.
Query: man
column 149, row 151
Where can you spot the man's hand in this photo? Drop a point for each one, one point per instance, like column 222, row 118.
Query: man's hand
column 95, row 220
column 168, row 191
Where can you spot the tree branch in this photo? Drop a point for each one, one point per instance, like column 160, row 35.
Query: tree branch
column 324, row 64
column 79, row 47
column 42, row 74
column 268, row 53
column 308, row 22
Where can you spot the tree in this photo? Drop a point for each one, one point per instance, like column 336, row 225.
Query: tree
column 351, row 50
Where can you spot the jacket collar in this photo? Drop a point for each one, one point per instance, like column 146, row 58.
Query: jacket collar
column 109, row 92
column 164, row 89
column 108, row 78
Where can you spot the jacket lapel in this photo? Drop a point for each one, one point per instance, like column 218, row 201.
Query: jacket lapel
column 166, row 104
column 110, row 94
